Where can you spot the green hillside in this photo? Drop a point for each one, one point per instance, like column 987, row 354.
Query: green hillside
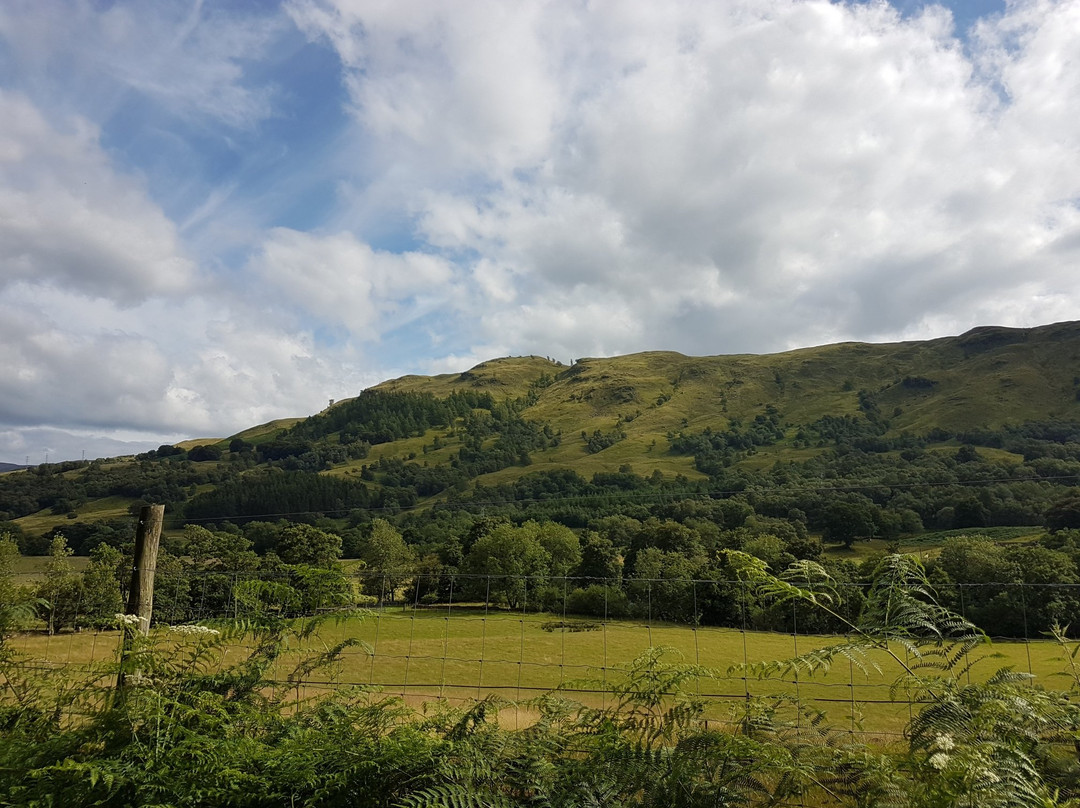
column 984, row 379
column 890, row 414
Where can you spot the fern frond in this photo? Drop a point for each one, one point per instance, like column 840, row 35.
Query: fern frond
column 803, row 580
column 454, row 796
column 329, row 656
column 818, row 660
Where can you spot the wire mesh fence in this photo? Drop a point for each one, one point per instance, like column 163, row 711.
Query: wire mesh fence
column 460, row 638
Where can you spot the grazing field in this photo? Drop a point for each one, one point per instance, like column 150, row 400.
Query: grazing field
column 466, row 653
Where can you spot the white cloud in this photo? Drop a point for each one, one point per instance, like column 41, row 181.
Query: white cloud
column 748, row 175
column 558, row 178
column 196, row 367
column 340, row 280
column 468, row 86
column 114, row 377
column 457, row 362
column 247, row 369
column 188, row 57
column 67, row 217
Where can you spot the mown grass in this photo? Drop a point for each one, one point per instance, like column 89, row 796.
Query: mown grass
column 263, row 432
column 928, row 545
column 998, row 534
column 30, row 569
column 508, row 377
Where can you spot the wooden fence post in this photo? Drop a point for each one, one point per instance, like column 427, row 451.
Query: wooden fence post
column 147, row 539
column 141, row 594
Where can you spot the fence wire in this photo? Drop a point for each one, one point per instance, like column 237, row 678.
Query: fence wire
column 461, row 638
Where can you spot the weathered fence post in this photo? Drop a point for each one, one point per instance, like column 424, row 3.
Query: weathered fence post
column 147, row 539
column 141, row 594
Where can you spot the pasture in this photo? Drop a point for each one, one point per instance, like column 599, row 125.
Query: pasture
column 462, row 654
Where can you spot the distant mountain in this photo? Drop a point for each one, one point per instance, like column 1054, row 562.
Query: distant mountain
column 11, row 467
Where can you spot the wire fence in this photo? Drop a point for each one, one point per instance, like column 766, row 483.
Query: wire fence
column 460, row 638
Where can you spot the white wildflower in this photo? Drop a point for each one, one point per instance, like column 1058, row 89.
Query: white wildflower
column 138, row 679
column 945, row 743
column 939, row 760
column 127, row 620
column 195, row 631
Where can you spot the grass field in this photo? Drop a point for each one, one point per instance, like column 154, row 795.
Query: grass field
column 28, row 570
column 466, row 653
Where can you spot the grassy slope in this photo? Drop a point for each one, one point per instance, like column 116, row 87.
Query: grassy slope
column 264, row 432
column 985, row 378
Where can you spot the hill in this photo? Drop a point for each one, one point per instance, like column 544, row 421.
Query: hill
column 986, row 377
column 523, row 429
column 983, row 379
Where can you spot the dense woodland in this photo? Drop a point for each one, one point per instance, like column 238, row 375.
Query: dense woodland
column 617, row 544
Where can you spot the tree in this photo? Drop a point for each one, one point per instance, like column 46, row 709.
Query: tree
column 304, row 544
column 668, row 536
column 599, row 558
column 172, row 590
column 619, row 530
column 216, row 561
column 1065, row 513
column 219, row 549
column 388, row 557
column 204, row 452
column 662, row 585
column 511, row 562
column 320, row 588
column 262, row 535
column 561, row 544
column 15, row 605
column 61, row 590
column 847, row 521
column 970, row 513
column 769, row 548
column 974, row 560
column 967, row 454
column 101, row 586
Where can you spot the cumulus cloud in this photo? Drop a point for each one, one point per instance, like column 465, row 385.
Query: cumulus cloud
column 67, row 217
column 461, row 88
column 113, row 377
column 196, row 367
column 340, row 280
column 557, row 178
column 768, row 173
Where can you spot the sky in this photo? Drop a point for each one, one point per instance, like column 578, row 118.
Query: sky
column 218, row 213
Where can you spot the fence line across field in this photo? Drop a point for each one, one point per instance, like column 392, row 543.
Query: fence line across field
column 461, row 644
